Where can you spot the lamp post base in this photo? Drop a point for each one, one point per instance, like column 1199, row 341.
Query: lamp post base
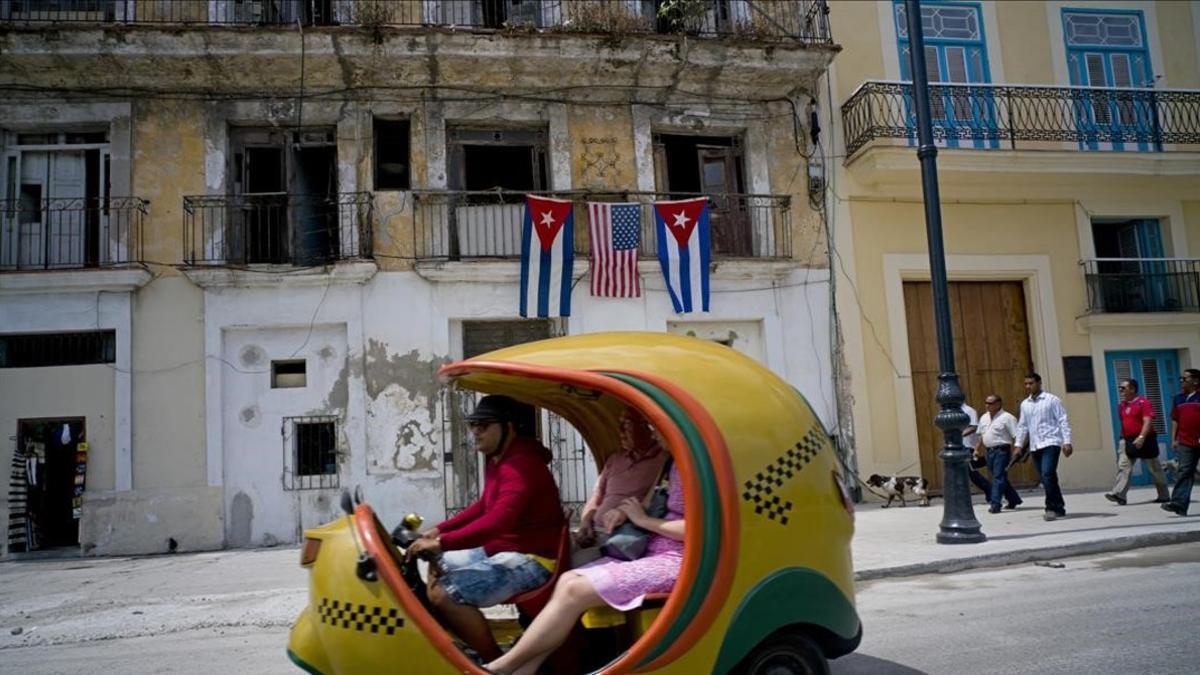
column 961, row 532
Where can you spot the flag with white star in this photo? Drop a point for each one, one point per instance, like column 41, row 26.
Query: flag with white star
column 547, row 256
column 684, row 251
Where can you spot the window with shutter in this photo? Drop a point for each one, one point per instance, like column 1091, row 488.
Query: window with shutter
column 1107, row 52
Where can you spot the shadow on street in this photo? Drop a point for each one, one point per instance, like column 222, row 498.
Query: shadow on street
column 864, row 664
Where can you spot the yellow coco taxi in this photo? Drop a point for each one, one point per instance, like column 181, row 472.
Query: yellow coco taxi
column 767, row 581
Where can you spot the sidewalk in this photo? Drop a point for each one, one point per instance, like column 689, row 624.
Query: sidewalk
column 899, row 542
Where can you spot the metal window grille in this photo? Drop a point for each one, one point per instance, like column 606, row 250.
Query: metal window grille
column 58, row 349
column 310, row 453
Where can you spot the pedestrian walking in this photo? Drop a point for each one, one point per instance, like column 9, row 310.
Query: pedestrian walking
column 1139, row 441
column 1185, row 412
column 1044, row 429
column 997, row 436
column 970, row 440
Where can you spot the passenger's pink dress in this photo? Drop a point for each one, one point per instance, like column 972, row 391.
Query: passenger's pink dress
column 623, row 584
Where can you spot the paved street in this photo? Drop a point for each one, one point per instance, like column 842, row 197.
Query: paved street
column 230, row 611
column 1117, row 613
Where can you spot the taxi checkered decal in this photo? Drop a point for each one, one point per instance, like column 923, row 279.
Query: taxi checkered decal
column 761, row 489
column 359, row 617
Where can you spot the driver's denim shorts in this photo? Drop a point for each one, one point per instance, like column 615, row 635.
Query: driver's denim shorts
column 472, row 577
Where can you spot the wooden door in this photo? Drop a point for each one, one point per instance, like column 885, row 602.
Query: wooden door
column 991, row 351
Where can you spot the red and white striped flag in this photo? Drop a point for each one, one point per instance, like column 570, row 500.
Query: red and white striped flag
column 615, row 230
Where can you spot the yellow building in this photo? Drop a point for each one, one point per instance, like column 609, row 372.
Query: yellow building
column 1069, row 166
column 239, row 237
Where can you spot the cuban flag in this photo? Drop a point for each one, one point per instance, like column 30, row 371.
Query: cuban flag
column 547, row 257
column 683, row 251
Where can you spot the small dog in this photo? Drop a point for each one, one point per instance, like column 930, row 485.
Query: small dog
column 896, row 486
column 1170, row 467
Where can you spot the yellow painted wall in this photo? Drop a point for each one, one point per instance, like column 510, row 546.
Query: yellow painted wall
column 167, row 163
column 1191, row 214
column 1176, row 28
column 168, row 385
column 68, row 391
column 1027, row 58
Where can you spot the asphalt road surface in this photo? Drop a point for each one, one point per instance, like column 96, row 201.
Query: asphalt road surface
column 1133, row 612
column 229, row 612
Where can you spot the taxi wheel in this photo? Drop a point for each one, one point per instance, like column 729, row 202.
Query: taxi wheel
column 786, row 654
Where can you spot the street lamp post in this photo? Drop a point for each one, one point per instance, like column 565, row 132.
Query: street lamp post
column 958, row 524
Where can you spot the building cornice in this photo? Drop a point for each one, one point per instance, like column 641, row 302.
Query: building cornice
column 509, row 271
column 268, row 276
column 881, row 163
column 75, row 281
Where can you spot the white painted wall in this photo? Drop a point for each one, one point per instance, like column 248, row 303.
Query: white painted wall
column 393, row 332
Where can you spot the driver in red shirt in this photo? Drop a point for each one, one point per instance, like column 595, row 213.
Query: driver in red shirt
column 504, row 543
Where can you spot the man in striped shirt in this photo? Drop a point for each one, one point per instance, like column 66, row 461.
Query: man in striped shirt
column 1043, row 428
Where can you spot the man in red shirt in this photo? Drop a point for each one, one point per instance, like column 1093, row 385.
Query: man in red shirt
column 504, row 543
column 1140, row 441
column 1186, row 414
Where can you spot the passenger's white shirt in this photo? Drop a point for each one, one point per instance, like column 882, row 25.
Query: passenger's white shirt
column 1043, row 421
column 999, row 431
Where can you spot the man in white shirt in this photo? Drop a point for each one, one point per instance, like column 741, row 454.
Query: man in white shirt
column 997, row 434
column 1043, row 425
column 970, row 439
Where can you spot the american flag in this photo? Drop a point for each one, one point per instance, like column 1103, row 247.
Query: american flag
column 616, row 230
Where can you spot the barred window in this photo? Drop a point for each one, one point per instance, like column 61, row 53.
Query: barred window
column 310, row 456
column 39, row 350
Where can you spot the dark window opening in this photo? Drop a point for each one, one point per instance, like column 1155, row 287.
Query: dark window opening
column 286, row 210
column 711, row 166
column 392, row 139
column 30, row 206
column 40, row 350
column 289, row 374
column 310, row 453
column 505, row 159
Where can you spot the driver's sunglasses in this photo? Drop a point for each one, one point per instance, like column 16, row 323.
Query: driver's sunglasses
column 480, row 425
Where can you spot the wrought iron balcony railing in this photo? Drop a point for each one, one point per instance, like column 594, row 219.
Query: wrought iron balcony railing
column 993, row 116
column 465, row 225
column 48, row 234
column 801, row 20
column 277, row 228
column 1121, row 285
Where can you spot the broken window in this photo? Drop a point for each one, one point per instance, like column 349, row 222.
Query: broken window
column 391, row 155
column 284, row 201
column 712, row 166
column 491, row 170
column 56, row 186
column 310, row 452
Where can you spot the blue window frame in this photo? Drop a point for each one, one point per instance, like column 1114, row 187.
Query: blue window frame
column 955, row 53
column 1107, row 52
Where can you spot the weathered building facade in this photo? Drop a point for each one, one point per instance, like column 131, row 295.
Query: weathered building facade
column 239, row 238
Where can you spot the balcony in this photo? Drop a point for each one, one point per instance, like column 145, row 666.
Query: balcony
column 463, row 225
column 70, row 233
column 277, row 229
column 1026, row 117
column 801, row 20
column 1124, row 285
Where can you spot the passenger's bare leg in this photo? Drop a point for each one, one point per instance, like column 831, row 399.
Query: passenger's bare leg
column 465, row 621
column 573, row 595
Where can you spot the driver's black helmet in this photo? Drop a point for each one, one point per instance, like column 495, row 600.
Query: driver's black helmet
column 494, row 408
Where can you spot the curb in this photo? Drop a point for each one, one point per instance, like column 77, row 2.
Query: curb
column 1007, row 558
